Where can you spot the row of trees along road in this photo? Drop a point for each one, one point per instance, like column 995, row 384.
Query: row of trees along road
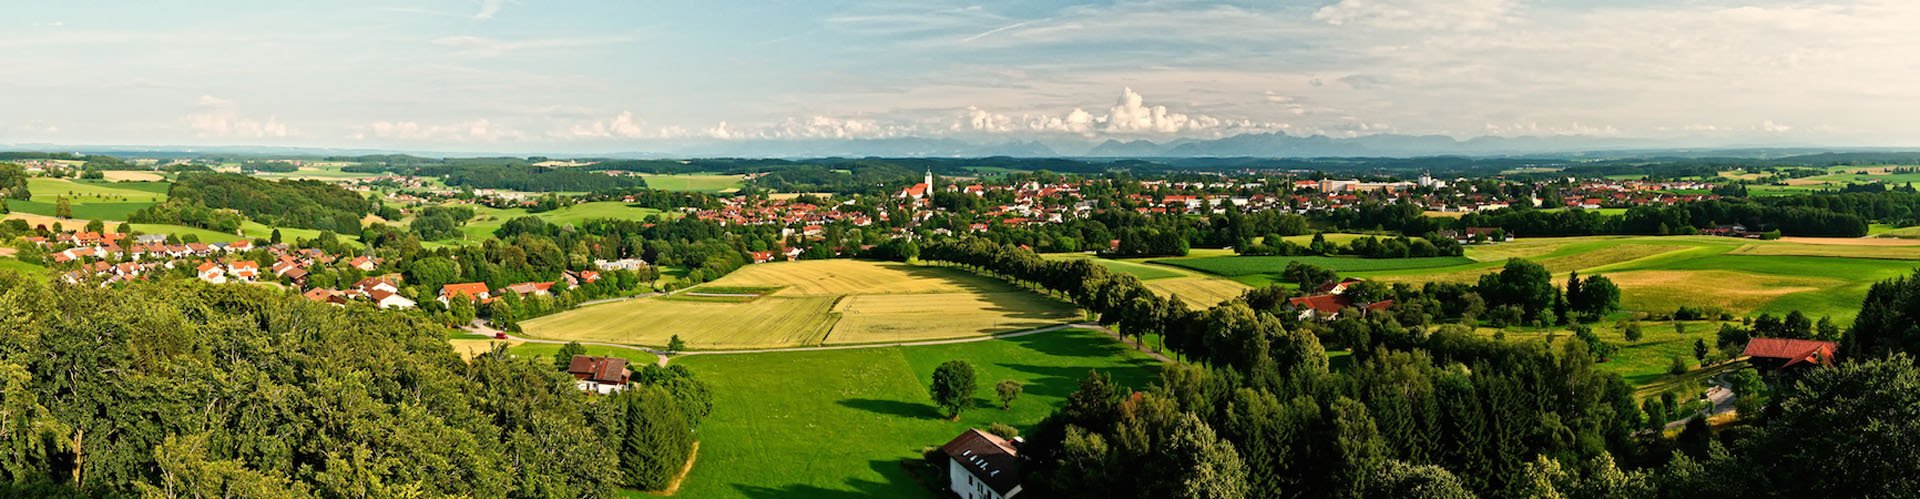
column 1436, row 410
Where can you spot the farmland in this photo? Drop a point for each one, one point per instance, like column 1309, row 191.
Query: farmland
column 1198, row 290
column 90, row 200
column 815, row 302
column 775, row 412
column 487, row 220
column 1820, row 277
column 694, row 183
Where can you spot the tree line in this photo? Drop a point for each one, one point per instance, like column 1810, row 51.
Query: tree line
column 178, row 388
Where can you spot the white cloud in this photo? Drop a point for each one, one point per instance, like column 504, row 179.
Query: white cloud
column 481, row 130
column 489, row 47
column 488, row 9
column 1130, row 115
column 215, row 117
column 1418, row 14
column 1770, row 127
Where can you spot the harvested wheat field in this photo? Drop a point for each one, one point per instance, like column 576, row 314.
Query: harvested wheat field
column 812, row 303
column 1910, row 251
column 1199, row 292
column 1738, row 292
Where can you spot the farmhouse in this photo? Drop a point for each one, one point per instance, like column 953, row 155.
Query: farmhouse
column 981, row 465
column 1776, row 354
column 212, row 272
column 602, row 375
column 471, row 290
column 1328, row 306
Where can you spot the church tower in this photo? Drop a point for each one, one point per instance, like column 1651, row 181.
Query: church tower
column 929, row 181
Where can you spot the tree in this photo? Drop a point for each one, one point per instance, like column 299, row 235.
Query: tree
column 1205, row 466
column 564, row 357
column 953, row 387
column 1700, row 350
column 1633, row 333
column 62, row 207
column 1598, row 297
column 1008, row 390
column 1677, row 366
column 1399, row 479
column 1520, row 283
column 675, row 344
column 274, row 238
column 658, row 438
column 96, row 226
column 1868, row 414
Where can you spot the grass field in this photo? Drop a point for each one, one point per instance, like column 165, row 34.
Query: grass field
column 487, row 220
column 817, row 302
column 1197, row 289
column 1820, row 277
column 694, row 183
column 835, row 424
column 90, row 200
column 206, row 236
column 1144, row 272
column 1260, row 271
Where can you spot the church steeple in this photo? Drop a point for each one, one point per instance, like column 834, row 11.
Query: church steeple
column 929, row 181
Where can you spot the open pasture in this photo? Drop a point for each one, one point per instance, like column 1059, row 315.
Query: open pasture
column 694, row 183
column 832, row 424
column 1142, row 271
column 816, row 302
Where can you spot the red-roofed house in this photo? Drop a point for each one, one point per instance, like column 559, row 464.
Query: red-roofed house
column 471, row 291
column 1328, row 307
column 244, row 270
column 211, row 272
column 602, row 375
column 1774, row 354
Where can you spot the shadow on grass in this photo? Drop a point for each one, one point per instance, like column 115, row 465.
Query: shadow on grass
column 898, row 485
column 894, row 408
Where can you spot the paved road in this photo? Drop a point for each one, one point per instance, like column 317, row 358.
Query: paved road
column 1720, row 395
column 480, row 327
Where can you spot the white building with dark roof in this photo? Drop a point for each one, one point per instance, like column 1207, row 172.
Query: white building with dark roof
column 982, row 465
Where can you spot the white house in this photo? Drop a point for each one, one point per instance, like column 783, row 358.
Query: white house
column 212, row 273
column 981, row 465
column 602, row 375
column 386, row 299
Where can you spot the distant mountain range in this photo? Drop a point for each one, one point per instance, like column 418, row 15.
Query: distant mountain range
column 1256, row 145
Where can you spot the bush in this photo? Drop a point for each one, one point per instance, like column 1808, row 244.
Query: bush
column 1004, row 430
column 1679, row 365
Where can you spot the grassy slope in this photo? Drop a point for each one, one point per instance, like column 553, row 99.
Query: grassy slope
column 839, row 423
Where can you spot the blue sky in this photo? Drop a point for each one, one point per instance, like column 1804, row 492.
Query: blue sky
column 586, row 75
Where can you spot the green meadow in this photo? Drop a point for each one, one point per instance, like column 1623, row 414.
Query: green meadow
column 694, row 182
column 841, row 423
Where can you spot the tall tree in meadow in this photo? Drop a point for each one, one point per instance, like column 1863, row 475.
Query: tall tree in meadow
column 953, row 387
column 658, row 438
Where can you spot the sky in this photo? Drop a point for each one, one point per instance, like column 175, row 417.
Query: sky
column 605, row 75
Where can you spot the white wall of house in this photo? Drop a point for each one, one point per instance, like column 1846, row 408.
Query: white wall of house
column 962, row 482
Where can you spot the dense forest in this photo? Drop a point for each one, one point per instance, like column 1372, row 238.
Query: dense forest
column 182, row 389
column 508, row 173
column 197, row 199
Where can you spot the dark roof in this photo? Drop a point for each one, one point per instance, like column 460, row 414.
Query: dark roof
column 988, row 458
column 608, row 370
column 1793, row 351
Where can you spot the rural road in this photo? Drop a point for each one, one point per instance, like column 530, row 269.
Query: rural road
column 1722, row 399
column 480, row 327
